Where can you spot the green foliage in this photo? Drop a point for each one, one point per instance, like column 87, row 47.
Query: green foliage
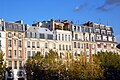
column 111, row 64
column 52, row 67
column 2, row 65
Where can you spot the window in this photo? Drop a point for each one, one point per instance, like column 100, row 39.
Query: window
column 30, row 34
column 69, row 47
column 99, row 45
column 28, row 44
column 33, row 53
column 19, row 36
column 59, row 47
column 74, row 44
column 10, row 64
column 58, row 36
column 87, row 45
column 20, row 64
column 76, row 36
column 69, row 38
column 9, row 43
column 33, row 44
column 82, row 46
column 74, row 28
column 28, row 54
column 46, row 45
column 38, row 45
column 78, row 45
column 49, row 36
column 0, row 34
column 15, row 54
column 63, row 47
column 0, row 43
column 66, row 47
column 19, row 43
column 42, row 36
column 20, row 54
column 92, row 39
column 15, row 64
column 10, row 54
column 63, row 37
column 9, row 35
column 35, row 35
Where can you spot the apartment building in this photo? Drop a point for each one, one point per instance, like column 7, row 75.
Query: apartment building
column 38, row 39
column 104, row 37
column 83, row 40
column 12, row 45
column 19, row 42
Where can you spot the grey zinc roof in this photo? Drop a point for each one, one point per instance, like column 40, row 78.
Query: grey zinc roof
column 39, row 30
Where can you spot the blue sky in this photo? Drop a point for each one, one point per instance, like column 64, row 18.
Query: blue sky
column 100, row 11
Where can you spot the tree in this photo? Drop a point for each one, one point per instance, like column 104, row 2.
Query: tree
column 2, row 65
column 111, row 64
column 52, row 67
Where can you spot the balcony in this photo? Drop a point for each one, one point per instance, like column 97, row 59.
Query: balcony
column 28, row 46
column 9, row 56
column 33, row 46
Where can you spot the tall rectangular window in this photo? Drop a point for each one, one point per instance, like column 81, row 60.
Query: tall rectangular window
column 38, row 45
column 46, row 45
column 58, row 36
column 69, row 38
column 69, row 47
column 59, row 47
column 20, row 54
column 0, row 34
column 9, row 43
column 63, row 47
column 10, row 64
column 15, row 54
column 28, row 44
column 74, row 44
column 78, row 44
column 20, row 64
column 15, row 64
column 63, row 37
column 33, row 53
column 76, row 36
column 19, row 43
column 33, row 44
column 28, row 54
column 10, row 54
column 66, row 47
column 87, row 45
column 0, row 43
